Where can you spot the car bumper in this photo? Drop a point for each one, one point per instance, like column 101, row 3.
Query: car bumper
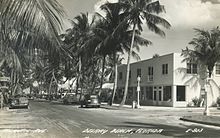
column 93, row 104
column 19, row 105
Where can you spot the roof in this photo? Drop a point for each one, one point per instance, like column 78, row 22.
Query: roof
column 148, row 59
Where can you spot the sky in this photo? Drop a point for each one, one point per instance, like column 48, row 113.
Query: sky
column 183, row 15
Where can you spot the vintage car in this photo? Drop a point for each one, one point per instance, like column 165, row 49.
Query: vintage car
column 90, row 101
column 18, row 101
column 70, row 98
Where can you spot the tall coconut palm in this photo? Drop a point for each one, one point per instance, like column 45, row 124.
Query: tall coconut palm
column 206, row 53
column 113, row 34
column 76, row 39
column 106, row 30
column 139, row 11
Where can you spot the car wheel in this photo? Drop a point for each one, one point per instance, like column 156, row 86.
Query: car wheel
column 98, row 106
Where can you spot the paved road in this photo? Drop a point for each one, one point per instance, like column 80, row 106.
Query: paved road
column 50, row 120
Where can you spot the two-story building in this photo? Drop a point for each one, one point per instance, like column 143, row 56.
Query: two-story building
column 167, row 81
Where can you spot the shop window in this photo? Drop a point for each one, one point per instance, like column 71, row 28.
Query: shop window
column 160, row 96
column 167, row 92
column 120, row 75
column 130, row 93
column 181, row 93
column 155, row 95
column 142, row 97
column 149, row 93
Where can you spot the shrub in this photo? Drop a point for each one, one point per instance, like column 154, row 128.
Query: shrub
column 197, row 101
column 218, row 101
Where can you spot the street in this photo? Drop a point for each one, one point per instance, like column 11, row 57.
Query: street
column 54, row 120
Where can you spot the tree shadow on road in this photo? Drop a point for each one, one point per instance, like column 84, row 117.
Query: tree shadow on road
column 172, row 131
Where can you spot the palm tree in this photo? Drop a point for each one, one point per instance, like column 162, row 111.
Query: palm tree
column 76, row 39
column 137, row 12
column 206, row 53
column 112, row 34
column 107, row 30
column 26, row 25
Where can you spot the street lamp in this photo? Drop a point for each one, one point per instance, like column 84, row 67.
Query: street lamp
column 138, row 91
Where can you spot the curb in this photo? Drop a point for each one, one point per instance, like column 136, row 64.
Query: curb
column 200, row 122
column 112, row 108
column 115, row 107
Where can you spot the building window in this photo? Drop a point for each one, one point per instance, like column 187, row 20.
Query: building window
column 217, row 68
column 167, row 93
column 149, row 93
column 181, row 93
column 191, row 68
column 120, row 75
column 165, row 69
column 150, row 73
column 138, row 72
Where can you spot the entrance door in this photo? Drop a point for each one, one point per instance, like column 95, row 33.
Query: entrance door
column 181, row 93
column 157, row 95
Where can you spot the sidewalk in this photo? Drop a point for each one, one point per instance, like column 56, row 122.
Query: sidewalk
column 156, row 108
column 213, row 119
column 202, row 119
column 115, row 106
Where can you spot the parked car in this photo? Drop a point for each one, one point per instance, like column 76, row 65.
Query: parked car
column 30, row 97
column 18, row 101
column 70, row 98
column 90, row 101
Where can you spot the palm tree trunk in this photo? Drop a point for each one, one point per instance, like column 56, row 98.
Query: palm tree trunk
column 93, row 79
column 102, row 75
column 51, row 81
column 206, row 111
column 55, row 79
column 79, row 77
column 128, row 67
column 115, row 81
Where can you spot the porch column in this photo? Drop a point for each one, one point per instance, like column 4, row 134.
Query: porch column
column 174, row 95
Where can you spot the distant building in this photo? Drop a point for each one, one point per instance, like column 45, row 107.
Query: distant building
column 167, row 81
column 4, row 82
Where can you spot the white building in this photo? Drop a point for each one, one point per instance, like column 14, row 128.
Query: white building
column 167, row 81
